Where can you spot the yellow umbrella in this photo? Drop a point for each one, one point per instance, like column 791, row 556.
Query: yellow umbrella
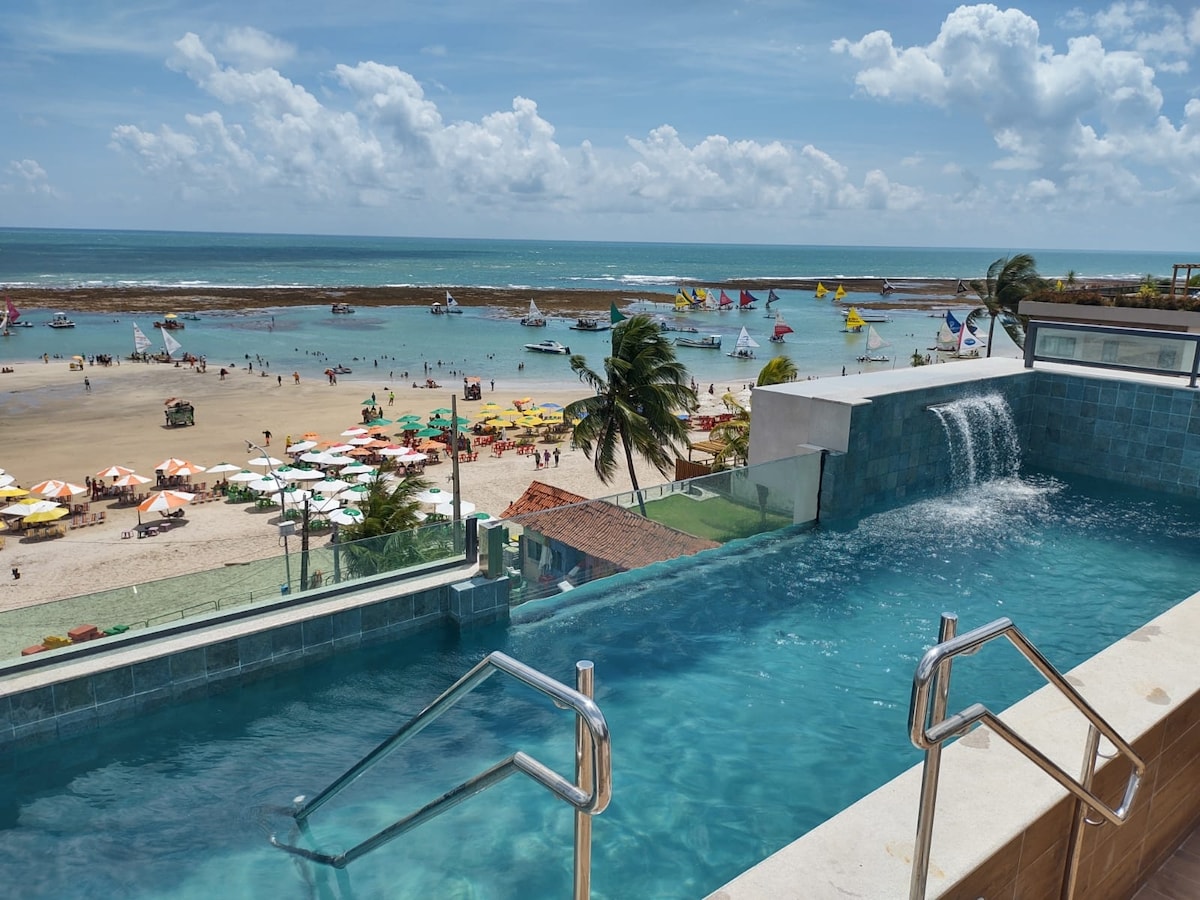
column 552, row 417
column 13, row 491
column 530, row 421
column 48, row 515
column 499, row 423
column 511, row 411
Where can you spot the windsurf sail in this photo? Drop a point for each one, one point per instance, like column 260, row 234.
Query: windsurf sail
column 170, row 343
column 726, row 301
column 141, row 343
column 821, row 290
column 840, row 293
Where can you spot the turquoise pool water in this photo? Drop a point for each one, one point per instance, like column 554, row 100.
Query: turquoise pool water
column 751, row 695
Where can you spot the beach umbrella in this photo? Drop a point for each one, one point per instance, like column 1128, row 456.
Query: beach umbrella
column 378, row 423
column 530, row 421
column 312, row 456
column 341, row 447
column 310, row 436
column 245, row 475
column 499, row 423
column 336, row 460
column 294, row 495
column 265, row 485
column 409, row 417
column 370, row 477
column 113, row 472
column 447, row 509
column 304, row 475
column 187, row 469
column 393, row 450
column 357, row 468
column 322, row 505
column 133, row 479
column 9, row 492
column 301, row 446
column 511, row 412
column 6, row 480
column 438, row 422
column 433, row 496
column 222, row 467
column 29, row 506
column 44, row 485
column 47, row 515
column 429, row 432
column 551, row 406
column 370, row 401
column 346, row 516
column 411, row 458
column 330, row 486
column 441, row 411
column 264, row 461
column 62, row 489
column 355, row 492
column 361, row 441
column 164, row 501
column 170, row 463
column 354, row 432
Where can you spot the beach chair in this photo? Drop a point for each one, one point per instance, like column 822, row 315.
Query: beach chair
column 103, row 514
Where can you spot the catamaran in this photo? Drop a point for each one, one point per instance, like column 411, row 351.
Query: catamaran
column 781, row 328
column 534, row 318
column 744, row 348
column 141, row 343
column 874, row 344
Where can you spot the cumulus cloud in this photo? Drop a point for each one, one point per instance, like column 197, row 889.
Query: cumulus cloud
column 1067, row 118
column 29, row 177
column 379, row 139
column 250, row 48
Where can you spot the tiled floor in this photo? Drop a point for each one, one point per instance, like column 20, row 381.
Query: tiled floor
column 1179, row 878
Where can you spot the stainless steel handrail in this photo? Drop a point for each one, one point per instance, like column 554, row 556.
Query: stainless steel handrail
column 929, row 727
column 590, row 795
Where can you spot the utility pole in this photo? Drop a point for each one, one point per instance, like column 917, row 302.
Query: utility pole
column 304, row 548
column 455, row 501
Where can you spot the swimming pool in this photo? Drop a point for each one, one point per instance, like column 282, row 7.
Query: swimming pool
column 750, row 694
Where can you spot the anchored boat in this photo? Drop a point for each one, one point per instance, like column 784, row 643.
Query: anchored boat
column 548, row 347
column 708, row 342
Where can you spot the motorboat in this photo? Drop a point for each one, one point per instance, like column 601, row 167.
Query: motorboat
column 589, row 323
column 191, row 317
column 708, row 342
column 341, row 309
column 341, row 370
column 548, row 347
column 60, row 320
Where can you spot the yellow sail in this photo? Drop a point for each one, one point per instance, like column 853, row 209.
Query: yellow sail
column 682, row 301
column 841, row 292
column 821, row 290
column 854, row 322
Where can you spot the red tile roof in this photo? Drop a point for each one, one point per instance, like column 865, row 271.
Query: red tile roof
column 603, row 531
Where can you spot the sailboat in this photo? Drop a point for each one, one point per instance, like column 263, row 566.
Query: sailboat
column 821, row 291
column 746, row 300
column 534, row 318
column 839, row 293
column 781, row 328
column 452, row 305
column 772, row 297
column 874, row 344
column 682, row 301
column 726, row 301
column 4, row 332
column 169, row 343
column 14, row 316
column 744, row 348
column 854, row 322
column 141, row 343
column 887, row 288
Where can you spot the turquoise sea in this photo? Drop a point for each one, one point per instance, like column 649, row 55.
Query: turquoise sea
column 483, row 341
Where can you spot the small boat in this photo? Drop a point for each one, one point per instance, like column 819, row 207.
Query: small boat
column 664, row 325
column 874, row 344
column 534, row 318
column 744, row 349
column 141, row 343
column 854, row 322
column 14, row 316
column 746, row 300
column 708, row 342
column 170, row 322
column 60, row 320
column 341, row 370
column 548, row 347
column 588, row 323
column 868, row 315
column 451, row 307
column 170, row 345
column 725, row 302
column 772, row 297
column 341, row 309
column 781, row 328
column 191, row 317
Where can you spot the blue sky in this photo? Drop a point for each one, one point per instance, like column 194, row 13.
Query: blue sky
column 767, row 121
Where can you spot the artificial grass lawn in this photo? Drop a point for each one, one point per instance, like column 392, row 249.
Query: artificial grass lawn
column 714, row 518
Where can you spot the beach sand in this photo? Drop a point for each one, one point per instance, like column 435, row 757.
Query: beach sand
column 54, row 428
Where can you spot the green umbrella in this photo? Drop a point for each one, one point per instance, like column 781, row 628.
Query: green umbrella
column 429, row 432
column 370, row 401
column 409, row 417
column 441, row 411
column 380, row 422
column 440, row 423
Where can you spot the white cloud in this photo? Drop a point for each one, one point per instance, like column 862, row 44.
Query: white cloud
column 251, row 48
column 30, row 178
column 383, row 142
column 1069, row 118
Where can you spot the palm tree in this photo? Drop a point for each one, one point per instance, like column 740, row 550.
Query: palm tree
column 638, row 397
column 1009, row 280
column 384, row 539
column 779, row 370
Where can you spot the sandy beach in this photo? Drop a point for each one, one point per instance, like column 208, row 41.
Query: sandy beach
column 55, row 428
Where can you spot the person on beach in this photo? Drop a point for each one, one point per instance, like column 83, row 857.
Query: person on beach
column 545, row 459
column 279, row 381
column 296, row 377
column 556, row 455
column 267, row 439
column 87, row 385
column 391, row 398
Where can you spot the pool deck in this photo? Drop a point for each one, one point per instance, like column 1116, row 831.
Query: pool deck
column 1179, row 878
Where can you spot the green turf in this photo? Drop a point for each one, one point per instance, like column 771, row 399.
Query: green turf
column 715, row 517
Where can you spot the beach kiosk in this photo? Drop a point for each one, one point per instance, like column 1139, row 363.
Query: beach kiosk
column 179, row 412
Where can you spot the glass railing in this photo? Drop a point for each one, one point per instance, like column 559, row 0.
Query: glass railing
column 183, row 597
column 1112, row 347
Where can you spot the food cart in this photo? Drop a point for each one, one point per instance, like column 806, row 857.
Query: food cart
column 179, row 412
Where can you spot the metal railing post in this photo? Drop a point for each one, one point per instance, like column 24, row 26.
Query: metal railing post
column 932, row 768
column 585, row 683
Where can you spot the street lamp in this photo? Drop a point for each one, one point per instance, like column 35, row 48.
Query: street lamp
column 287, row 562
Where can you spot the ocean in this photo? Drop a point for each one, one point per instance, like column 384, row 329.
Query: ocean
column 483, row 341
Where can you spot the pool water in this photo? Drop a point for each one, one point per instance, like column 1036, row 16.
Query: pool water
column 751, row 695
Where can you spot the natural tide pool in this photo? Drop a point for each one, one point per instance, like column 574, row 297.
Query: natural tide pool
column 751, row 693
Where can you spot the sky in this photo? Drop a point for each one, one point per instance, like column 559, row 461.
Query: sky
column 1045, row 125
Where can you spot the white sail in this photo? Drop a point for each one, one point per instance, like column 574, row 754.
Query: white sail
column 744, row 339
column 534, row 313
column 874, row 341
column 141, row 343
column 169, row 342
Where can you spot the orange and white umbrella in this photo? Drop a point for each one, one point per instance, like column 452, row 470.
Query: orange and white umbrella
column 55, row 488
column 165, row 501
column 113, row 472
column 168, row 464
column 131, row 479
column 187, row 469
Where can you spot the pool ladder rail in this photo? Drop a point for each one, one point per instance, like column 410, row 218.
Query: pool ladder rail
column 930, row 727
column 589, row 793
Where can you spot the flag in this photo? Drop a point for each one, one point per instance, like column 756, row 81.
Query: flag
column 962, row 288
column 614, row 314
column 952, row 323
